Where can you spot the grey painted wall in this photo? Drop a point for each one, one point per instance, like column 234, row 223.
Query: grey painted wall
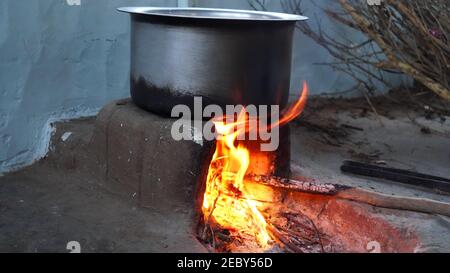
column 59, row 61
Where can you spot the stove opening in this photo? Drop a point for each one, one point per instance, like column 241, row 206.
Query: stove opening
column 229, row 203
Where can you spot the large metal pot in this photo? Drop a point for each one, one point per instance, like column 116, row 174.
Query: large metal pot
column 226, row 56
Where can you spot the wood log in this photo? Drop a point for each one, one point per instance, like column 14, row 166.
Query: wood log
column 377, row 199
column 355, row 194
column 295, row 185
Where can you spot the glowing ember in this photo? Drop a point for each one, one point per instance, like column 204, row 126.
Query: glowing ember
column 227, row 201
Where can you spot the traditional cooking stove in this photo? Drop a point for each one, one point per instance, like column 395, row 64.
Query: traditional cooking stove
column 240, row 203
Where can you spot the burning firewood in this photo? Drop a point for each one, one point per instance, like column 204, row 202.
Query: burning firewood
column 357, row 194
column 298, row 234
column 295, row 185
column 293, row 231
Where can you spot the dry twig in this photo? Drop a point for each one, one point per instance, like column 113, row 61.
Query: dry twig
column 402, row 37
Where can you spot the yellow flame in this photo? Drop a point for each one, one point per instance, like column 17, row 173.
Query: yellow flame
column 226, row 199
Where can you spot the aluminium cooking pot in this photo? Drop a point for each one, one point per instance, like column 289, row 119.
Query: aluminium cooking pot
column 227, row 57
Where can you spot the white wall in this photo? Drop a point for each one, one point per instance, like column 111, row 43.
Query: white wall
column 58, row 61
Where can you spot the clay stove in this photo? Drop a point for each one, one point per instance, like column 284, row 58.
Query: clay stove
column 245, row 199
column 140, row 161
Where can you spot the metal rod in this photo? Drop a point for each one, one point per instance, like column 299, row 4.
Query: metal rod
column 400, row 171
column 397, row 175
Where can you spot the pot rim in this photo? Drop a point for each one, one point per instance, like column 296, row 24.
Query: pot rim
column 214, row 14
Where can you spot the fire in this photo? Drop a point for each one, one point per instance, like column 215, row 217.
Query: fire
column 227, row 201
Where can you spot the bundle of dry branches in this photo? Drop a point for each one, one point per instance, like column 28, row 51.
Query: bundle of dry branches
column 408, row 37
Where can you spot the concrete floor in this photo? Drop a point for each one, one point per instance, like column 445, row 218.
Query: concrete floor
column 56, row 200
column 42, row 209
column 394, row 138
column 400, row 136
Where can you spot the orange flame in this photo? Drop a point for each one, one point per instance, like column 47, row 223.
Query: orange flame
column 296, row 109
column 226, row 200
